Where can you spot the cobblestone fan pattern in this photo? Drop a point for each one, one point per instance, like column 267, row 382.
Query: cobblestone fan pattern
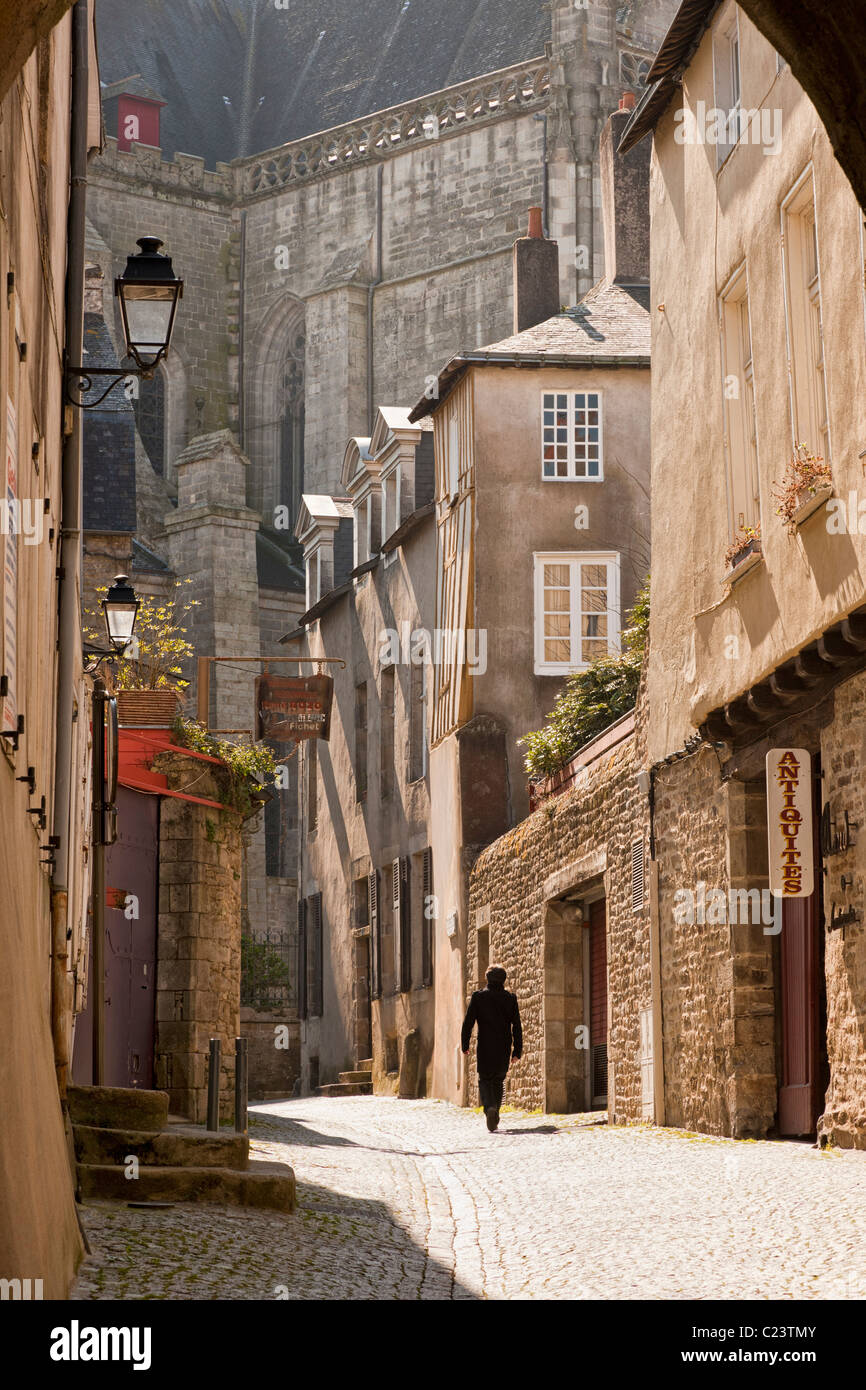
column 414, row 1199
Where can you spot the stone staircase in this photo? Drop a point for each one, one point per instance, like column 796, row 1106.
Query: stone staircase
column 351, row 1083
column 178, row 1162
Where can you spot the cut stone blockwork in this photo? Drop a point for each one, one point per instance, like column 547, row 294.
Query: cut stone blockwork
column 199, row 965
column 531, row 896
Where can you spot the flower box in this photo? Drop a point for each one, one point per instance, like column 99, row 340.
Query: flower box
column 745, row 560
column 147, row 709
column 811, row 502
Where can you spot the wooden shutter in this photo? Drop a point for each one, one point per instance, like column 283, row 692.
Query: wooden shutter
column 375, row 936
column 426, row 919
column 315, row 957
column 637, row 876
column 302, row 958
column 405, row 927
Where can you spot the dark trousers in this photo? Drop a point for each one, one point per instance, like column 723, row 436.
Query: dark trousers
column 490, row 1089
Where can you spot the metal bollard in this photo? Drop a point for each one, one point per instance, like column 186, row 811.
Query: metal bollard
column 241, row 1079
column 213, row 1086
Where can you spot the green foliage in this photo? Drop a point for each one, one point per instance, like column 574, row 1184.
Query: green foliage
column 261, row 968
column 160, row 643
column 249, row 764
column 592, row 699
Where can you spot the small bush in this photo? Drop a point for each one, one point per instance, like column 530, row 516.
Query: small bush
column 591, row 700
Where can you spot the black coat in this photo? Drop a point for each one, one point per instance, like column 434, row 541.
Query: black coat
column 499, row 1030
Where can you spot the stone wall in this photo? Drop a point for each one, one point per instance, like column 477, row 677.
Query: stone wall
column 274, row 1052
column 843, row 756
column 581, row 841
column 198, row 969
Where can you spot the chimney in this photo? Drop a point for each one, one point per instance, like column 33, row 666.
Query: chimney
column 625, row 201
column 536, row 276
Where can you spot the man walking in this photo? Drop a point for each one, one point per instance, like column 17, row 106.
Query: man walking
column 500, row 1039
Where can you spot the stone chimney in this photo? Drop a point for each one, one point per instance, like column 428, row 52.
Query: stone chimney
column 536, row 276
column 625, row 201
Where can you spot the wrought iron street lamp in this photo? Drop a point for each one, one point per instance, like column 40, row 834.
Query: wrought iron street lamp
column 149, row 293
column 120, row 607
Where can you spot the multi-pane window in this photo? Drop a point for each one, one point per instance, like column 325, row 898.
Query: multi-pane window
column 726, row 76
column 741, row 441
column 577, row 610
column 417, row 721
column 386, row 734
column 803, row 290
column 571, row 435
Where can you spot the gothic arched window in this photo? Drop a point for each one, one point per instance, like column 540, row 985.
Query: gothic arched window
column 149, row 406
column 633, row 69
column 291, row 443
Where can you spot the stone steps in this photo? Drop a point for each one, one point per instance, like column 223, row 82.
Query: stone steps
column 346, row 1088
column 178, row 1162
column 177, row 1147
column 262, row 1184
column 115, row 1107
column 352, row 1077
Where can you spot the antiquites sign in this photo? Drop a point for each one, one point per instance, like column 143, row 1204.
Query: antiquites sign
column 293, row 707
column 789, row 822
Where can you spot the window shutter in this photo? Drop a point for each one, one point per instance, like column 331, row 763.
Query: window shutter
column 405, row 927
column 426, row 920
column 316, row 971
column 637, row 876
column 302, row 958
column 375, row 936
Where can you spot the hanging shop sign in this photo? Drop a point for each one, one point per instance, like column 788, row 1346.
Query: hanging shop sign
column 789, row 822
column 293, row 707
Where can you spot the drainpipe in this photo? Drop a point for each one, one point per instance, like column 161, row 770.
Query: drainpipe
column 69, row 662
column 371, row 289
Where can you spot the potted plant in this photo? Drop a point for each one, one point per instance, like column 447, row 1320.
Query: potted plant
column 148, row 678
column 806, row 485
column 744, row 551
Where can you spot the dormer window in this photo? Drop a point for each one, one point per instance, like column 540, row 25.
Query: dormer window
column 391, row 501
column 314, row 579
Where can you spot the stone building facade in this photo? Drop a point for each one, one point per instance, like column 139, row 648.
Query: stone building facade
column 757, row 652
column 44, row 695
column 531, row 911
column 370, row 237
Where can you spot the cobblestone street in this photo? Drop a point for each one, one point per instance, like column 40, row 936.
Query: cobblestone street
column 414, row 1199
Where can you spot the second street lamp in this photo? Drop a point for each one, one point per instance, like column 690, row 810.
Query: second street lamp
column 120, row 607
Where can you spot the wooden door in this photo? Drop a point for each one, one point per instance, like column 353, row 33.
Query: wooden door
column 801, row 1089
column 598, row 1002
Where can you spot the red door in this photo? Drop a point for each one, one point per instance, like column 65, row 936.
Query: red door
column 130, row 951
column 801, row 1093
column 598, row 1002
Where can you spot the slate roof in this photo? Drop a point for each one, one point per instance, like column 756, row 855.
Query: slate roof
column 609, row 327
column 108, row 500
column 241, row 76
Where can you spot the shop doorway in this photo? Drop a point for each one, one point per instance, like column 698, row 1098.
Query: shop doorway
column 597, row 976
column 802, row 1003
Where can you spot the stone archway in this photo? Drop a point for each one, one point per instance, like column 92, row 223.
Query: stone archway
column 275, row 416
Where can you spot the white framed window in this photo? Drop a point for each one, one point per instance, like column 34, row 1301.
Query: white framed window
column 577, row 609
column 807, row 379
column 572, row 443
column 314, row 582
column 363, row 536
column 741, row 438
column 390, row 502
column 727, row 86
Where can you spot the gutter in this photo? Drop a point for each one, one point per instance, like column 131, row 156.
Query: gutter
column 69, row 651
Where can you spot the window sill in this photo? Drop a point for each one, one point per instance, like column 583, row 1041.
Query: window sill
column 571, row 479
column 559, row 670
